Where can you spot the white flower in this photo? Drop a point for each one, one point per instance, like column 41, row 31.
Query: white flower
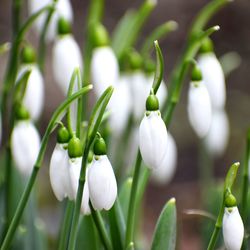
column 120, row 106
column 74, row 171
column 166, row 170
column 213, row 78
column 59, row 172
column 218, row 135
column 34, row 95
column 104, row 69
column 25, row 145
column 233, row 229
column 102, row 183
column 199, row 108
column 153, row 139
column 63, row 9
column 66, row 56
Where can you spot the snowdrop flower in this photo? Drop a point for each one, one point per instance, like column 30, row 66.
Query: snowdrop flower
column 212, row 75
column 59, row 167
column 166, row 170
column 104, row 64
column 75, row 163
column 66, row 56
column 232, row 227
column 217, row 138
column 152, row 135
column 101, row 179
column 120, row 106
column 199, row 105
column 25, row 142
column 33, row 98
column 63, row 9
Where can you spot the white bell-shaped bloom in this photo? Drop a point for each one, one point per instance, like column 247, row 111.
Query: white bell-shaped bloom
column 199, row 108
column 63, row 9
column 213, row 78
column 104, row 69
column 120, row 106
column 233, row 229
column 25, row 145
column 166, row 170
column 66, row 56
column 217, row 138
column 59, row 172
column 34, row 95
column 102, row 183
column 153, row 139
column 74, row 171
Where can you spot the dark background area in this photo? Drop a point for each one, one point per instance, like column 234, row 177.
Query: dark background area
column 234, row 35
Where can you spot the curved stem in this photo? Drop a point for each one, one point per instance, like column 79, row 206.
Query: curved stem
column 94, row 123
column 25, row 196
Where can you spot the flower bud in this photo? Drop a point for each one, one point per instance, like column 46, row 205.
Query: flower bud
column 25, row 146
column 152, row 103
column 153, row 139
column 199, row 108
column 28, row 55
column 102, row 183
column 74, row 147
column 63, row 27
column 99, row 35
column 63, row 135
column 232, row 228
column 100, row 147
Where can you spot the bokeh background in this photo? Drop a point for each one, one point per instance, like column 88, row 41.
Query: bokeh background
column 234, row 35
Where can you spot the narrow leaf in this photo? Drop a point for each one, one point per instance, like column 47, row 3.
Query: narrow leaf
column 165, row 231
column 231, row 175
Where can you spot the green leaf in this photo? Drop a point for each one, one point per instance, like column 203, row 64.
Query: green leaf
column 124, row 195
column 165, row 231
column 231, row 175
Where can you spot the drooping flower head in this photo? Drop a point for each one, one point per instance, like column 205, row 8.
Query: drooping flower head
column 25, row 142
column 104, row 64
column 199, row 104
column 232, row 226
column 101, row 178
column 152, row 135
column 66, row 55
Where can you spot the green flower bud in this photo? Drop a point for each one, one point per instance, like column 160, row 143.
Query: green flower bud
column 100, row 147
column 135, row 60
column 100, row 35
column 207, row 46
column 196, row 74
column 230, row 200
column 149, row 67
column 21, row 112
column 63, row 27
column 152, row 103
column 63, row 135
column 74, row 147
column 28, row 55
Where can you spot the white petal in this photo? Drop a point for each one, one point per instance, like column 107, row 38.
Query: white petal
column 34, row 95
column 66, row 56
column 102, row 184
column 199, row 108
column 74, row 172
column 217, row 138
column 213, row 78
column 85, row 209
column 25, row 145
column 63, row 9
column 233, row 229
column 59, row 172
column 165, row 172
column 104, row 69
column 153, row 139
column 120, row 106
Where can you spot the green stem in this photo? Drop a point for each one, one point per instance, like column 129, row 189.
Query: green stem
column 101, row 228
column 16, row 7
column 25, row 196
column 63, row 242
column 42, row 39
column 245, row 181
column 94, row 123
column 132, row 202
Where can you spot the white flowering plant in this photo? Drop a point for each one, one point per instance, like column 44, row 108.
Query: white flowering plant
column 107, row 148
